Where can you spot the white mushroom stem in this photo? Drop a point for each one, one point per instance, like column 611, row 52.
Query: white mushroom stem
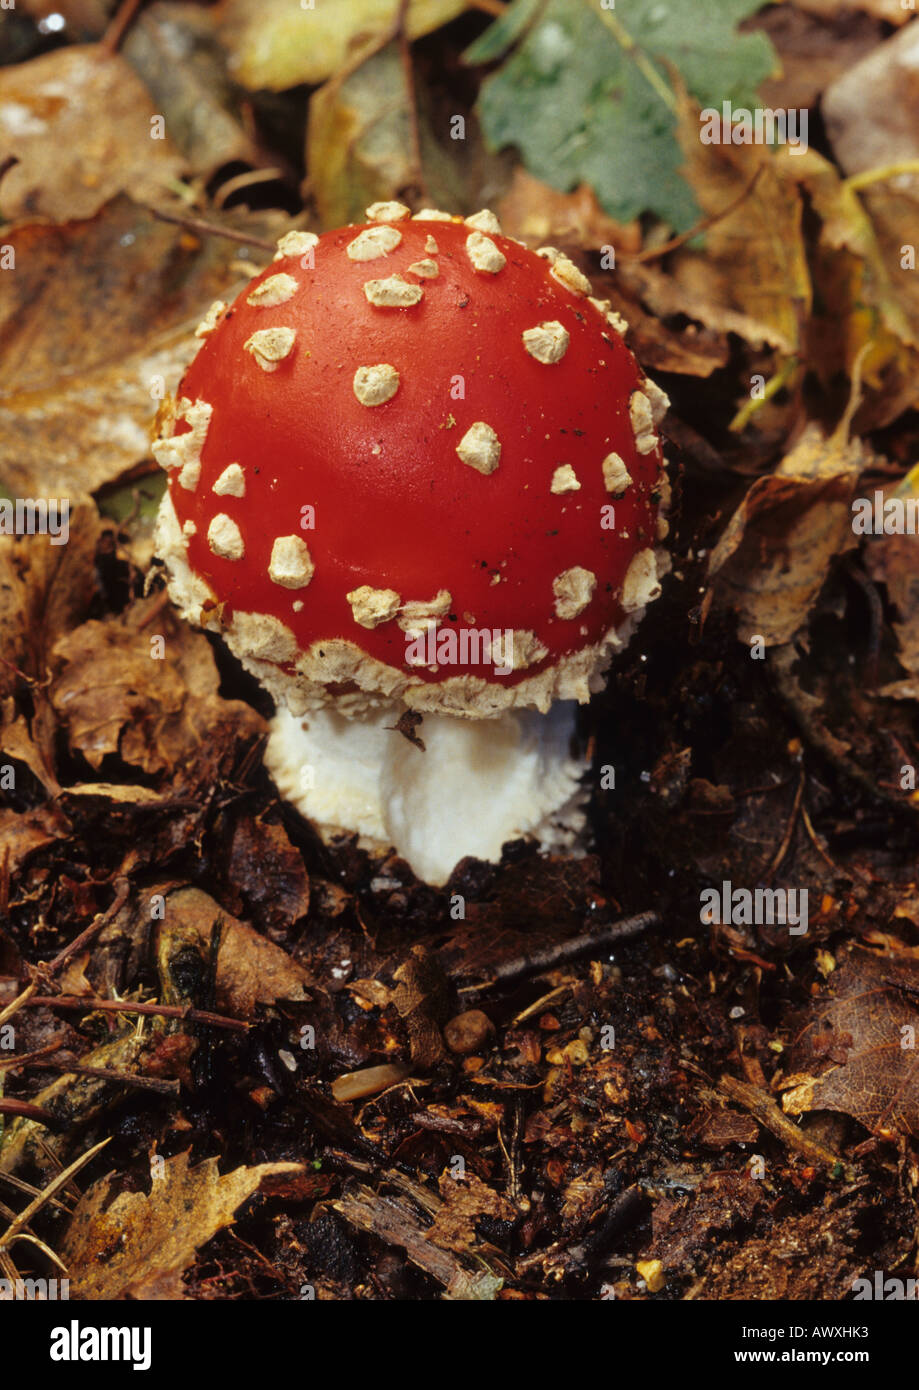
column 478, row 784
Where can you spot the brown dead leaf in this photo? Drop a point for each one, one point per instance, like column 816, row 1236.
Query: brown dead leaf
column 16, row 742
column 72, row 979
column 721, row 1128
column 270, row 872
column 772, row 559
column 857, row 1053
column 84, row 19
column 892, row 11
column 23, row 834
column 96, row 326
column 174, row 49
column 870, row 114
column 465, row 1200
column 891, row 560
column 138, row 1245
column 861, row 311
column 689, row 351
column 754, row 262
column 814, row 1258
column 870, row 110
column 117, row 696
column 251, row 970
column 813, row 48
column 44, row 590
column 421, row 998
column 532, row 210
column 83, row 128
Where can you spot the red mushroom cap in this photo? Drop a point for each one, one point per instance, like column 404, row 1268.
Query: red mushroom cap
column 405, row 429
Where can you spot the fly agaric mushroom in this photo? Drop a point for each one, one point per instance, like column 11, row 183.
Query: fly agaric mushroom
column 414, row 469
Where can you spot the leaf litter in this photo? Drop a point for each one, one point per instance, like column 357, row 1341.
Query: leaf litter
column 563, row 1090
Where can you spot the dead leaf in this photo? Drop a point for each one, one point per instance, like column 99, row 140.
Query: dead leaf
column 72, row 979
column 23, row 834
column 816, row 1257
column 861, row 311
column 772, row 559
column 532, row 210
column 421, row 998
column 83, row 128
column 465, row 1199
column 174, row 48
column 44, row 590
column 870, row 114
column 395, row 1220
column 865, row 1027
column 814, row 48
column 96, row 326
column 721, row 1128
column 754, row 262
column 251, row 970
column 138, row 1245
column 892, row 11
column 17, row 742
column 117, row 695
column 270, row 872
column 358, row 143
column 891, row 560
column 278, row 45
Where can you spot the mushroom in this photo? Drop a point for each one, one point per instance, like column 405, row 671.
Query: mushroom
column 414, row 470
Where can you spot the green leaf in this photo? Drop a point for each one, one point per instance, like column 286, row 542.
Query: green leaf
column 498, row 37
column 586, row 95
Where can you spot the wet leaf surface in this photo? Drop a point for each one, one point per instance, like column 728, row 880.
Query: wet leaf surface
column 149, row 1239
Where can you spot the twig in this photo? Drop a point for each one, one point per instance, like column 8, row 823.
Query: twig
column 246, row 180
column 24, row 1218
column 408, row 76
column 18, row 1003
column 27, row 1057
column 540, row 1004
column 161, row 601
column 814, row 839
column 23, row 1110
column 773, row 386
column 789, row 830
column 628, row 45
column 653, row 252
column 535, row 962
column 763, row 1108
column 198, row 224
column 880, row 175
column 111, row 39
column 122, row 889
column 26, row 1187
column 43, row 971
column 92, row 1005
column 125, row 1078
